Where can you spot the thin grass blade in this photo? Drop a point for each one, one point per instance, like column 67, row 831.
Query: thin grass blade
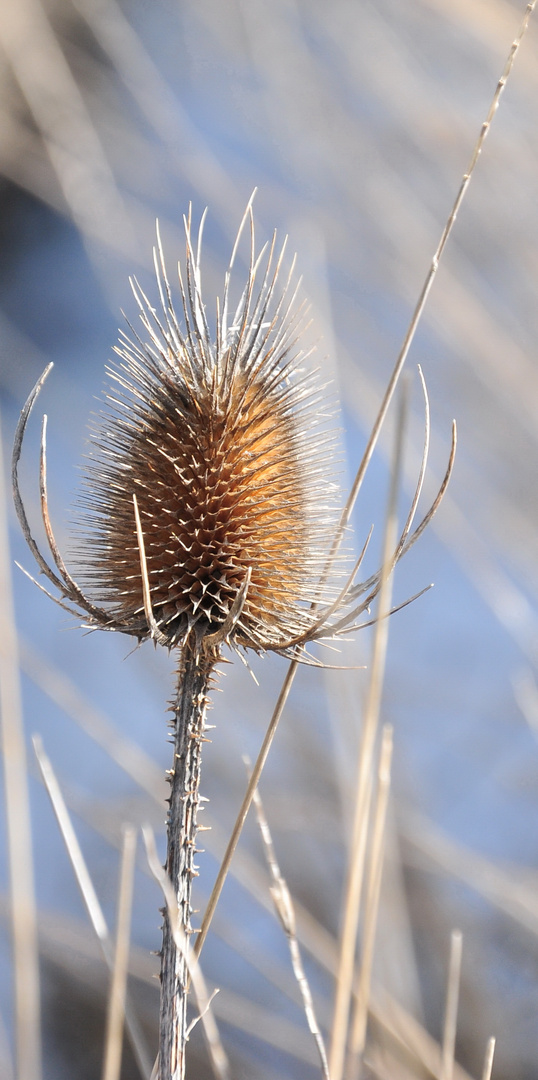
column 451, row 1009
column 118, row 986
column 355, row 874
column 23, row 904
column 89, row 896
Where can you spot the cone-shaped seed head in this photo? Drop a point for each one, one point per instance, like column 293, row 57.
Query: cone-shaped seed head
column 223, row 444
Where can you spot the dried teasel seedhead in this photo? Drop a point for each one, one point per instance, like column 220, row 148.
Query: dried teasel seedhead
column 208, row 505
column 224, row 447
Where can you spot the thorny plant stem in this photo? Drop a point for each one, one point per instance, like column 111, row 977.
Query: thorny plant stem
column 189, row 711
column 219, row 1060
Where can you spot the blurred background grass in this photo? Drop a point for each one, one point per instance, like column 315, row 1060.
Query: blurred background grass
column 355, row 121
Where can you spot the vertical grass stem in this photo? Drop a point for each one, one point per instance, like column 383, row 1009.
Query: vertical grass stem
column 488, row 1060
column 89, row 896
column 373, row 890
column 118, row 986
column 353, row 890
column 451, row 1009
column 23, row 906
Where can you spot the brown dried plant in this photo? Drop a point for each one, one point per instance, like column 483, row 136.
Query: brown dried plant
column 208, row 519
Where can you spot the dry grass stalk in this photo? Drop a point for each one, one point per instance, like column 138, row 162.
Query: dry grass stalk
column 361, row 816
column 6, row 1063
column 284, row 907
column 500, row 886
column 371, row 906
column 89, row 896
column 488, row 1060
column 244, row 808
column 408, row 1035
column 59, row 111
column 60, row 689
column 526, row 695
column 23, row 905
column 118, row 983
column 73, row 848
column 451, row 1008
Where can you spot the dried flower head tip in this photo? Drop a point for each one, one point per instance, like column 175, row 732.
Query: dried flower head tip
column 217, row 442
column 207, row 502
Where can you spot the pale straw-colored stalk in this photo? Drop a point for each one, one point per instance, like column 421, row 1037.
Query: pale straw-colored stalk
column 58, row 108
column 89, row 896
column 408, row 1035
column 63, row 692
column 451, row 1007
column 6, row 1062
column 285, row 910
column 361, row 814
column 245, row 807
column 371, row 905
column 488, row 1060
column 19, row 834
column 118, row 983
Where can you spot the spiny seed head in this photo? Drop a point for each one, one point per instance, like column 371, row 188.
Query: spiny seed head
column 207, row 504
column 222, row 442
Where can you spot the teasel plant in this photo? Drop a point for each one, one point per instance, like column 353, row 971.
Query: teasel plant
column 207, row 521
column 153, row 564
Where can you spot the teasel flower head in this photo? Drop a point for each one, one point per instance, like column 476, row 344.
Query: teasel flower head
column 208, row 500
column 219, row 440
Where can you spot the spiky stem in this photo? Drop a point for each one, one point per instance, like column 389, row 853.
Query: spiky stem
column 189, row 711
